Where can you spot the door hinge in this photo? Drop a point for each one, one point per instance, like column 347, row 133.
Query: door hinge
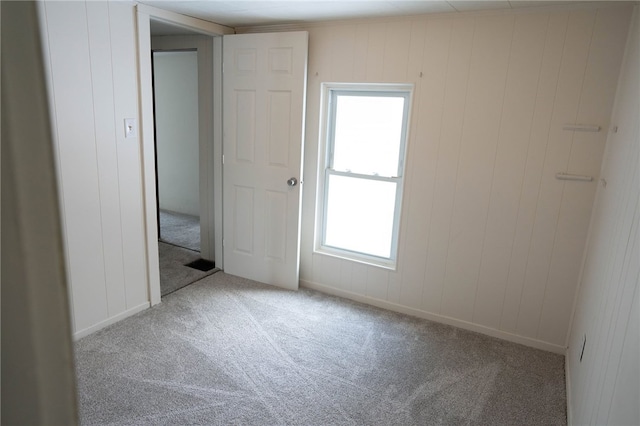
column 222, row 158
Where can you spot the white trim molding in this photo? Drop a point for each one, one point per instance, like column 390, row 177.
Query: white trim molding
column 537, row 344
column 194, row 24
column 114, row 319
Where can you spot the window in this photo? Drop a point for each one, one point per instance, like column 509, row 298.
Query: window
column 360, row 194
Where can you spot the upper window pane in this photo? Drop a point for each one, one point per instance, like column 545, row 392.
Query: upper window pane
column 368, row 134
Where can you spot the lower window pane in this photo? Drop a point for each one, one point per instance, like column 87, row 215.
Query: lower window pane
column 360, row 215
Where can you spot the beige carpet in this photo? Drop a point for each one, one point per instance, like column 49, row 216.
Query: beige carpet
column 229, row 351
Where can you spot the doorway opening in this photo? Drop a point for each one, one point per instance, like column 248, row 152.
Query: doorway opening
column 173, row 29
column 175, row 95
column 182, row 81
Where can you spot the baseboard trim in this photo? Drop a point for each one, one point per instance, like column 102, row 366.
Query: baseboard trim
column 102, row 324
column 527, row 341
column 567, row 380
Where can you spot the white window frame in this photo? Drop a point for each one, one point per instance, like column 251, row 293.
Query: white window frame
column 325, row 157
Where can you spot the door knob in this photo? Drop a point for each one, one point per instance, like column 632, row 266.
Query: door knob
column 292, row 181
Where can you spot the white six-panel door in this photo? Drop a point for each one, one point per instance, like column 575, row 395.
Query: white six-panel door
column 264, row 98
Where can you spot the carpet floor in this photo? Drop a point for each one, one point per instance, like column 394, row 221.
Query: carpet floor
column 231, row 351
column 174, row 274
column 180, row 229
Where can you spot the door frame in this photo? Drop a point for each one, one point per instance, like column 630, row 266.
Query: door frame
column 144, row 15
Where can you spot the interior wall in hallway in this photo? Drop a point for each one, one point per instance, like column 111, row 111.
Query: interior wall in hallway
column 177, row 139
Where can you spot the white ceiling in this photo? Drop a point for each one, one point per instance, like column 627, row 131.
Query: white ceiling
column 244, row 13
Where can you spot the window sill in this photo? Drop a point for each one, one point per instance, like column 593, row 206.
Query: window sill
column 388, row 264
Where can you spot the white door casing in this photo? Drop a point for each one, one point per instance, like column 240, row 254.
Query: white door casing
column 264, row 98
column 145, row 14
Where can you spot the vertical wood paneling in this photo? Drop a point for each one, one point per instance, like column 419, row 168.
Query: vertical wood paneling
column 359, row 278
column 73, row 103
column 621, row 405
column 48, row 73
column 538, row 139
column 107, row 155
column 416, row 50
column 330, row 269
column 453, row 107
column 605, row 53
column 360, row 53
column 574, row 60
column 422, row 156
column 93, row 85
column 619, row 331
column 409, row 251
column 526, row 53
column 606, row 301
column 483, row 108
column 488, row 236
column 123, row 54
column 344, row 282
column 424, row 164
column 604, row 383
column 396, row 52
column 610, row 331
column 377, row 283
column 342, row 53
column 394, row 286
column 375, row 52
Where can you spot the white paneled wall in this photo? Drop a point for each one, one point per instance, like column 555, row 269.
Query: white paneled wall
column 605, row 377
column 90, row 57
column 175, row 80
column 490, row 239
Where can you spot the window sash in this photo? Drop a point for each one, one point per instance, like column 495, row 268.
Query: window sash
column 388, row 261
column 379, row 93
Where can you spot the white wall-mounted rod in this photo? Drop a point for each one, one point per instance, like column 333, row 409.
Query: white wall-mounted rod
column 581, row 128
column 567, row 176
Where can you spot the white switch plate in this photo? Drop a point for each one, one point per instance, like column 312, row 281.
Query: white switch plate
column 130, row 128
